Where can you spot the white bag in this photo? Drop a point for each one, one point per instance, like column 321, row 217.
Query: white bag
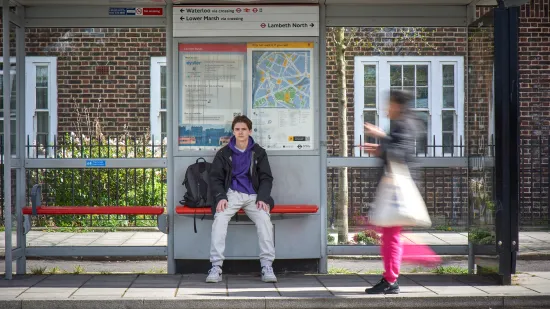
column 398, row 201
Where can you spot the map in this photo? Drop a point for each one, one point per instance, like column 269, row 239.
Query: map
column 281, row 79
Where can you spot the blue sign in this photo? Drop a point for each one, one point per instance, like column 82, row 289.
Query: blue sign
column 122, row 11
column 95, row 163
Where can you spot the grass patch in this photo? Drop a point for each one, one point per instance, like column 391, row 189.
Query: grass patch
column 78, row 270
column 38, row 270
column 450, row 270
column 340, row 271
column 56, row 270
column 104, row 272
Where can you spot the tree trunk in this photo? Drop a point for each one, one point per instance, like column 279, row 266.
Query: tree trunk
column 342, row 222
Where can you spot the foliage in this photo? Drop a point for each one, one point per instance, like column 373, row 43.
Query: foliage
column 450, row 270
column 101, row 187
column 367, row 237
column 481, row 236
column 331, row 240
column 340, row 271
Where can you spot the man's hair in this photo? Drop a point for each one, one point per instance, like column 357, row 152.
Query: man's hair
column 401, row 97
column 241, row 119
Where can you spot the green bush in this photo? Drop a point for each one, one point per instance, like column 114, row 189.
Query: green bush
column 367, row 237
column 481, row 237
column 101, row 187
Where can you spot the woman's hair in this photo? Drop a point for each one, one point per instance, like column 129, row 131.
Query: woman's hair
column 401, row 97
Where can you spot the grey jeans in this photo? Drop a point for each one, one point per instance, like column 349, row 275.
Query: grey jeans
column 262, row 219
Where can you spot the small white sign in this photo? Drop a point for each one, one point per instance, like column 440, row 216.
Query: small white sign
column 207, row 21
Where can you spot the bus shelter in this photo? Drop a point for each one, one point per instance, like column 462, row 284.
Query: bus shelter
column 269, row 60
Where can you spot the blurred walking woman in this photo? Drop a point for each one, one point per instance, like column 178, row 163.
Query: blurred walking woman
column 395, row 148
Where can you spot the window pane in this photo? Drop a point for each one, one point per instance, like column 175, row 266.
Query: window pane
column 370, row 75
column 412, row 103
column 163, row 98
column 41, row 87
column 448, row 75
column 448, row 121
column 42, row 76
column 42, row 123
column 370, row 97
column 163, row 76
column 370, row 117
column 422, row 97
column 448, row 97
column 42, row 143
column 422, row 75
column 41, row 98
column 422, row 139
column 448, row 142
column 408, row 75
column 163, row 124
column 395, row 75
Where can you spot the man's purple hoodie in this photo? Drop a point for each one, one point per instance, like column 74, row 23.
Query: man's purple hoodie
column 240, row 178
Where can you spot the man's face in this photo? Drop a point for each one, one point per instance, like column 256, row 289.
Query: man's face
column 241, row 132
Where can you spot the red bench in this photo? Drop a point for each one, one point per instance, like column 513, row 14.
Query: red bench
column 278, row 209
column 98, row 210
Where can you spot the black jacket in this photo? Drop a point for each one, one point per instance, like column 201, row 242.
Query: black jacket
column 260, row 174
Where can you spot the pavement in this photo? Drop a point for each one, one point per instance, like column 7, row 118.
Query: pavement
column 531, row 243
column 530, row 290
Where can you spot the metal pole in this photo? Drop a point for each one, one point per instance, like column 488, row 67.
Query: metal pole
column 170, row 107
column 323, row 264
column 7, row 141
column 21, row 265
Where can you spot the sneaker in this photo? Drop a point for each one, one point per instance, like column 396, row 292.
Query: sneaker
column 214, row 274
column 384, row 287
column 268, row 275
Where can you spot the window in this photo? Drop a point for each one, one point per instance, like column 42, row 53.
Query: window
column 13, row 104
column 438, row 85
column 158, row 99
column 41, row 104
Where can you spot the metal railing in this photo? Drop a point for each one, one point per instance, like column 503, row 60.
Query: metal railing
column 125, row 171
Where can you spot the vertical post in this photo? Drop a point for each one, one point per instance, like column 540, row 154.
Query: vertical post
column 507, row 137
column 7, row 139
column 323, row 263
column 21, row 265
column 171, row 108
column 514, row 129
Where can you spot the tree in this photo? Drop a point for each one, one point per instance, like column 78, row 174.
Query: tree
column 378, row 41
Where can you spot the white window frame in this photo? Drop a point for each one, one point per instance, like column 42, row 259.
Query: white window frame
column 31, row 63
column 435, row 88
column 155, row 110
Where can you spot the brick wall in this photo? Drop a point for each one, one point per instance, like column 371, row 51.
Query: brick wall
column 534, row 70
column 103, row 73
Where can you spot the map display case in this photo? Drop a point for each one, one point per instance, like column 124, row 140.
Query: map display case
column 270, row 82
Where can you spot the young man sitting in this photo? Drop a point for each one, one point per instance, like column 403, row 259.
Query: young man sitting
column 241, row 178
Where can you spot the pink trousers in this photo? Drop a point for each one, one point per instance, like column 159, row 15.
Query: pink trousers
column 391, row 250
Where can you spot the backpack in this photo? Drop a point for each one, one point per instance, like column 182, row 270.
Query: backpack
column 196, row 182
column 198, row 193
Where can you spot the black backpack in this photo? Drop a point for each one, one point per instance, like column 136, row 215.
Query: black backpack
column 197, row 184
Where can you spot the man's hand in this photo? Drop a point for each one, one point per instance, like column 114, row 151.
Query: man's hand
column 374, row 131
column 222, row 205
column 262, row 206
